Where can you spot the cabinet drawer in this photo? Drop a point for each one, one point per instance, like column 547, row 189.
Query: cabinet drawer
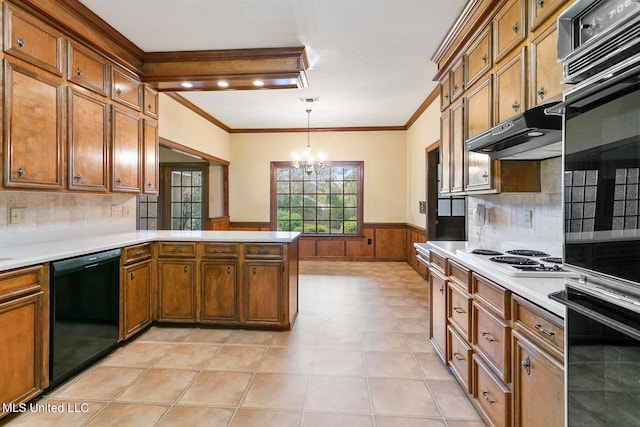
column 460, row 275
column 18, row 282
column 220, row 250
column 150, row 102
column 438, row 261
column 493, row 397
column 126, row 89
column 478, row 58
column 458, row 309
column 459, row 358
column 491, row 337
column 492, row 294
column 176, row 249
column 136, row 253
column 541, row 324
column 509, row 27
column 87, row 69
column 540, row 10
column 263, row 250
column 30, row 39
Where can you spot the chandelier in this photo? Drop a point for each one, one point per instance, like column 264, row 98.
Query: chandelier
column 307, row 163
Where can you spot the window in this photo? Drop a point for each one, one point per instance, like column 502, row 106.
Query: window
column 328, row 203
column 186, row 199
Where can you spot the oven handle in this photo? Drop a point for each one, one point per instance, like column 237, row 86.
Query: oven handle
column 561, row 297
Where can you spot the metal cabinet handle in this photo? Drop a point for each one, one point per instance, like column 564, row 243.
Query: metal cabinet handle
column 131, row 276
column 149, row 184
column 515, row 27
column 118, row 90
column 20, row 42
column 487, row 336
column 458, row 310
column 515, row 106
column 543, row 330
column 228, row 270
column 77, row 177
column 78, row 71
column 253, row 270
column 458, row 357
column 484, row 58
column 186, row 268
column 119, row 181
column 176, row 249
column 20, row 172
column 446, row 95
column 526, row 364
column 441, row 290
column 541, row 92
column 541, row 4
column 149, row 107
column 485, row 175
column 455, row 88
column 485, row 394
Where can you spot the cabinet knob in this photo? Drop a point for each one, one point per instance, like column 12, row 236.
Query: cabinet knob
column 441, row 290
column 149, row 107
column 541, row 92
column 487, row 336
column 20, row 172
column 20, row 42
column 253, row 270
column 446, row 95
column 485, row 394
column 458, row 310
column 526, row 364
column 543, row 330
column 484, row 58
column 458, row 357
column 455, row 88
column 77, row 177
column 515, row 106
column 186, row 268
column 118, row 91
column 485, row 176
column 228, row 270
column 78, row 71
column 541, row 4
column 119, row 181
column 131, row 276
column 516, row 27
column 149, row 184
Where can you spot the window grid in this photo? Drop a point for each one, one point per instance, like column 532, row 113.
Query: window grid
column 326, row 203
column 148, row 209
column 186, row 200
column 581, row 191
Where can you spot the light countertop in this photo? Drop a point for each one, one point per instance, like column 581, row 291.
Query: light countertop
column 534, row 289
column 37, row 253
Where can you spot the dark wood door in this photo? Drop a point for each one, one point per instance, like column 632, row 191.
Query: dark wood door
column 263, row 292
column 150, row 161
column 177, row 290
column 438, row 310
column 136, row 297
column 219, row 291
column 126, row 151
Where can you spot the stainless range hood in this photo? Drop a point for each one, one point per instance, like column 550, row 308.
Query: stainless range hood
column 531, row 135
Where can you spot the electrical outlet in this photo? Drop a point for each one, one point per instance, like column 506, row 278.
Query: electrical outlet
column 528, row 218
column 18, row 215
column 114, row 210
column 125, row 211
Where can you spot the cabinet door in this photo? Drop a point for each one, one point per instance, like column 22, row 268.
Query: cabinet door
column 177, row 290
column 126, row 89
column 87, row 69
column 438, row 312
column 445, row 152
column 150, row 99
column 509, row 27
column 478, row 59
column 538, row 382
column 126, row 151
column 33, row 154
column 136, row 298
column 150, row 158
column 219, row 291
column 88, row 142
column 457, row 147
column 263, row 292
column 22, row 351
column 445, row 91
column 540, row 10
column 510, row 96
column 546, row 72
column 457, row 80
column 479, row 108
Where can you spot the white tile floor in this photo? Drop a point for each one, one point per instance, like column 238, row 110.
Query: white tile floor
column 358, row 355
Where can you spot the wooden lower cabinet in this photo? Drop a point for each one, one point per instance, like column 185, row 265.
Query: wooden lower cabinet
column 136, row 298
column 177, row 290
column 492, row 396
column 438, row 311
column 263, row 292
column 24, row 334
column 220, row 292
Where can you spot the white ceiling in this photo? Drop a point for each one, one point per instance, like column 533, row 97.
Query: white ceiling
column 369, row 59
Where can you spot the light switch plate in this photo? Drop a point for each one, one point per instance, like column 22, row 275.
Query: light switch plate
column 18, row 215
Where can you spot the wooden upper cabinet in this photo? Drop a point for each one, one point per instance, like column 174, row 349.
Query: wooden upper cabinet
column 457, row 147
column 540, row 10
column 457, row 80
column 510, row 93
column 545, row 75
column 445, row 152
column 88, row 142
column 126, row 150
column 445, row 91
column 150, row 158
column 479, row 117
column 150, row 102
column 33, row 154
column 87, row 69
column 126, row 89
column 31, row 40
column 509, row 27
column 478, row 58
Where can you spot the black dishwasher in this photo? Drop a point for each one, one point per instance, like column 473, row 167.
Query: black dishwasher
column 84, row 312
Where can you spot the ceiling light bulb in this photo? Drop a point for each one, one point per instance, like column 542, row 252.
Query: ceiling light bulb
column 223, row 83
column 258, row 83
column 186, row 84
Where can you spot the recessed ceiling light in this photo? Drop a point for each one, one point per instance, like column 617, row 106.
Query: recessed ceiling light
column 223, row 83
column 186, row 84
column 258, row 83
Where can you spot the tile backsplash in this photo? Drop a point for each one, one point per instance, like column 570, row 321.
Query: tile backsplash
column 521, row 217
column 52, row 216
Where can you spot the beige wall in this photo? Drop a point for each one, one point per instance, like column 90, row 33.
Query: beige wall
column 383, row 153
column 424, row 132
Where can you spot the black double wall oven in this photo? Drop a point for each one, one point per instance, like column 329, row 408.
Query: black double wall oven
column 599, row 45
